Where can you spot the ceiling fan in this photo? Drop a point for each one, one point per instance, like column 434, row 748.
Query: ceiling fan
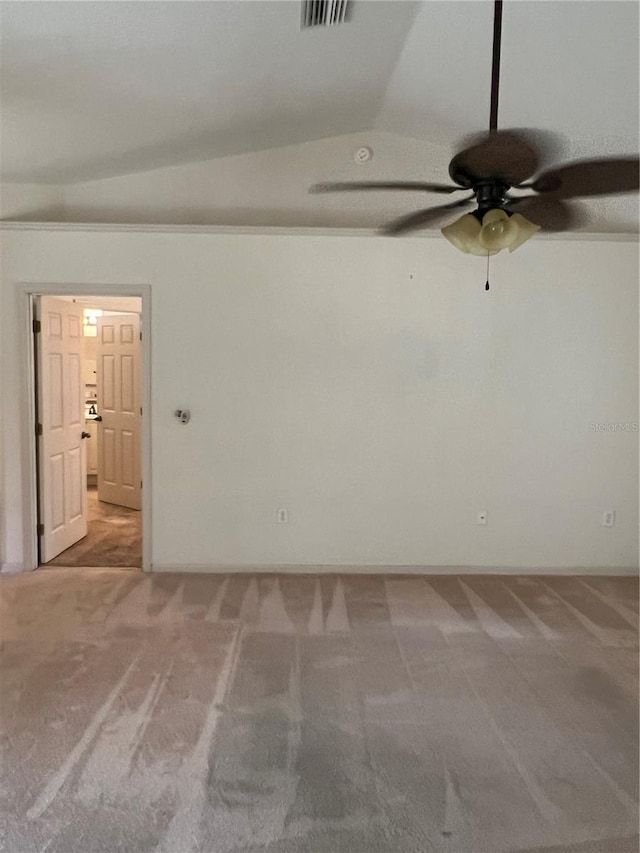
column 489, row 168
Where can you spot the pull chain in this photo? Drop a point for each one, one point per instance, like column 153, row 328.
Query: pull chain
column 486, row 287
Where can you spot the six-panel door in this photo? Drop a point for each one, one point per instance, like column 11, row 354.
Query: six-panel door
column 119, row 432
column 62, row 468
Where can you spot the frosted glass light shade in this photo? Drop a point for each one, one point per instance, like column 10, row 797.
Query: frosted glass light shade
column 478, row 249
column 463, row 233
column 498, row 231
column 525, row 228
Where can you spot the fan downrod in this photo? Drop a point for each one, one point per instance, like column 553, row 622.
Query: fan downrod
column 490, row 194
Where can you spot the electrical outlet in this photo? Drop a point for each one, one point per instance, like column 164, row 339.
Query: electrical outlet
column 609, row 518
column 283, row 515
column 481, row 518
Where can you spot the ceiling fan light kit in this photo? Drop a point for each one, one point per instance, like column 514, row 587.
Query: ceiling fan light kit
column 525, row 230
column 488, row 234
column 489, row 167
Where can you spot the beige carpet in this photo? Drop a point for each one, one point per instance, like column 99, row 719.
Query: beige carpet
column 114, row 538
column 304, row 714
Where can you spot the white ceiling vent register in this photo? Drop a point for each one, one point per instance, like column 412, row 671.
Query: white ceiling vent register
column 325, row 13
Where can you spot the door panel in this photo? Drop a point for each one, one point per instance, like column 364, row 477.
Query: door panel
column 56, row 495
column 107, row 382
column 76, row 404
column 119, row 432
column 62, row 478
column 55, row 391
column 108, row 453
column 128, row 384
column 76, row 491
column 128, row 457
column 75, row 327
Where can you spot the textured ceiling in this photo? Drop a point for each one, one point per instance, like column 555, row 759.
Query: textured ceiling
column 98, row 89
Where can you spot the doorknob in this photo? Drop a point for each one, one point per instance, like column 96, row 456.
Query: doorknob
column 86, row 435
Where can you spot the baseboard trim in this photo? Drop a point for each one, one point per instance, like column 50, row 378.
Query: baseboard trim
column 56, row 568
column 13, row 568
column 350, row 569
column 290, row 568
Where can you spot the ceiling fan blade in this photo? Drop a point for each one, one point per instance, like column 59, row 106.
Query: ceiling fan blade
column 504, row 154
column 550, row 214
column 590, row 177
column 355, row 186
column 422, row 217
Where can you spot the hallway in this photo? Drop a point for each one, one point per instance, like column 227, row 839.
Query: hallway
column 114, row 539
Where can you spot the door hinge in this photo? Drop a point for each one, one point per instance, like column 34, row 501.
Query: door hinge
column 38, row 429
column 140, row 335
column 140, row 483
column 140, row 409
column 37, row 327
column 41, row 530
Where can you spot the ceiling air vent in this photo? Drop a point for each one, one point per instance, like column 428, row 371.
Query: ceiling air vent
column 325, row 13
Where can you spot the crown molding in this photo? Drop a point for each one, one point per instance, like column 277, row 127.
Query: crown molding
column 148, row 228
column 276, row 231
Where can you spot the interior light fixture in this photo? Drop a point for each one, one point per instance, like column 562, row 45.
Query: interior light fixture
column 91, row 315
column 90, row 322
column 487, row 232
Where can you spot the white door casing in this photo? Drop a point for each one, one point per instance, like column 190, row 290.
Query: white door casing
column 119, row 400
column 62, row 471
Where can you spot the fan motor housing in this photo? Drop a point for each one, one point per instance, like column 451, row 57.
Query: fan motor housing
column 490, row 194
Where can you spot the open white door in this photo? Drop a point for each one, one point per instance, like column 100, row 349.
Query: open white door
column 62, row 458
column 119, row 431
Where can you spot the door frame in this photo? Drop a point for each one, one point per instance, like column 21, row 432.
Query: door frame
column 26, row 295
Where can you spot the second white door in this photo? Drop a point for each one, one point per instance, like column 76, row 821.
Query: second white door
column 119, row 405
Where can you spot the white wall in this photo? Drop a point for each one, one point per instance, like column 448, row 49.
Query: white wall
column 372, row 387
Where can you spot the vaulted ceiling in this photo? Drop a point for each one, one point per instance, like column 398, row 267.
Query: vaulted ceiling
column 97, row 89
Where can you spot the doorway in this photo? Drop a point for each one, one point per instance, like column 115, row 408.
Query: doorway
column 89, row 444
